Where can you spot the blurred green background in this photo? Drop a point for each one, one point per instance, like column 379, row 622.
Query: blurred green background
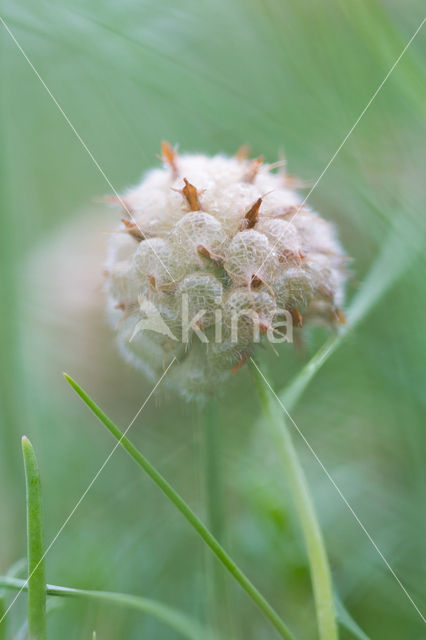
column 210, row 76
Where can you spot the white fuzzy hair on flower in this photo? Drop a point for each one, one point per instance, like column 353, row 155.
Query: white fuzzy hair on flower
column 225, row 245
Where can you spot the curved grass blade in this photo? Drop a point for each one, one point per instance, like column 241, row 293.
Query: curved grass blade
column 2, row 617
column 317, row 554
column 397, row 253
column 18, row 568
column 346, row 620
column 169, row 616
column 216, row 580
column 187, row 512
column 36, row 569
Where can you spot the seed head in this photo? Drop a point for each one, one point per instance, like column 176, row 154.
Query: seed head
column 225, row 246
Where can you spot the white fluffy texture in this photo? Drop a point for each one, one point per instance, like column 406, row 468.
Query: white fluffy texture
column 279, row 259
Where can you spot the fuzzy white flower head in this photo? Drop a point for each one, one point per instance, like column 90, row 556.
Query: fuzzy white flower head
column 216, row 254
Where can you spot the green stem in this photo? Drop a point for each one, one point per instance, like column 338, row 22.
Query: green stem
column 18, row 568
column 214, row 488
column 320, row 570
column 190, row 516
column 3, row 628
column 167, row 615
column 36, row 569
column 214, row 491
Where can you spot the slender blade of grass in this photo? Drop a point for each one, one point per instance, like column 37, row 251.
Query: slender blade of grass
column 346, row 620
column 2, row 616
column 318, row 561
column 187, row 512
column 391, row 262
column 35, row 542
column 18, row 568
column 217, row 585
column 169, row 616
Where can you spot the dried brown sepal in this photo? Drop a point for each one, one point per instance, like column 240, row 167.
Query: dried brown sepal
column 252, row 216
column 191, row 194
column 127, row 310
column 170, row 156
column 291, row 257
column 297, row 317
column 253, row 170
column 132, row 229
column 156, row 286
column 263, row 326
column 325, row 291
column 206, row 253
column 255, row 281
column 152, row 281
column 241, row 362
column 293, row 182
column 340, row 316
column 243, row 153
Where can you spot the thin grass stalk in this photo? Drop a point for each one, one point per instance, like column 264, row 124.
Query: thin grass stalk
column 317, row 555
column 18, row 568
column 3, row 628
column 215, row 510
column 167, row 615
column 268, row 611
column 35, row 544
column 397, row 253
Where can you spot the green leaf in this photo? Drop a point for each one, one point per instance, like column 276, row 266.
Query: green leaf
column 169, row 616
column 346, row 620
column 36, row 570
column 317, row 554
column 187, row 512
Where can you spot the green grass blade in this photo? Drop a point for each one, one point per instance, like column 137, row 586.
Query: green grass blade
column 187, row 512
column 36, row 569
column 14, row 571
column 397, row 253
column 169, row 616
column 217, row 584
column 346, row 620
column 318, row 561
column 2, row 616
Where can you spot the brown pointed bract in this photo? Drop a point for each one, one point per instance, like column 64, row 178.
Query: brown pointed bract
column 253, row 169
column 206, row 253
column 251, row 216
column 340, row 316
column 243, row 152
column 255, row 281
column 191, row 194
column 169, row 155
column 133, row 230
column 297, row 317
column 241, row 362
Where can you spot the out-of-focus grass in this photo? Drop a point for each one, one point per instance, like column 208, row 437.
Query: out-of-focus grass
column 211, row 76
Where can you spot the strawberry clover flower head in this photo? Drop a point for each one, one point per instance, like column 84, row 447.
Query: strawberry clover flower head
column 214, row 255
